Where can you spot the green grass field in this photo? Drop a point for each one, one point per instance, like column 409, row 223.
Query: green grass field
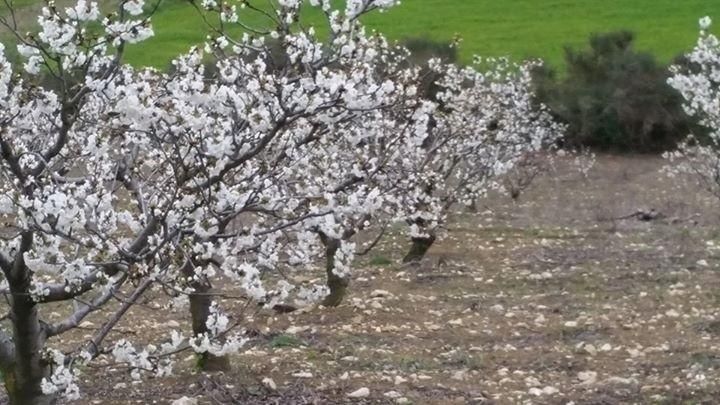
column 519, row 28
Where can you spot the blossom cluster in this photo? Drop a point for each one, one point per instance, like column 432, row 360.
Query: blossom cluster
column 488, row 122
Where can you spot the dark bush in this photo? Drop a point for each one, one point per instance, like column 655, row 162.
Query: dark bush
column 614, row 98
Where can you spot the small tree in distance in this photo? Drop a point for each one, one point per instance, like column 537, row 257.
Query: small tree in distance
column 487, row 123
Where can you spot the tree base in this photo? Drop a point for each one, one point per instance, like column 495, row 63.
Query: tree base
column 337, row 285
column 338, row 288
column 17, row 396
column 419, row 249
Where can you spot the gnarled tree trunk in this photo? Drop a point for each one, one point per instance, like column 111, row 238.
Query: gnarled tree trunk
column 337, row 285
column 23, row 375
column 200, row 302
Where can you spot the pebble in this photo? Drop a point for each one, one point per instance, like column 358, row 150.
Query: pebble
column 363, row 392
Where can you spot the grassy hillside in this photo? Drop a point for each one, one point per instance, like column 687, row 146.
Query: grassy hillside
column 520, row 28
column 540, row 28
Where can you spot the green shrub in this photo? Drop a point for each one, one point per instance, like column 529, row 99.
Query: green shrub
column 286, row 341
column 380, row 260
column 614, row 98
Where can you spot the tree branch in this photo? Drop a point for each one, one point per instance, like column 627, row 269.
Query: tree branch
column 93, row 347
column 85, row 309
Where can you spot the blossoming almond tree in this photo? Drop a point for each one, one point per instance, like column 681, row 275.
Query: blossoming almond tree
column 358, row 175
column 347, row 180
column 487, row 122
column 698, row 81
column 464, row 160
column 69, row 229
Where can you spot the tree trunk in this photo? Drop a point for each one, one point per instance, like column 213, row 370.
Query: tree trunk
column 200, row 302
column 337, row 285
column 25, row 391
column 419, row 248
column 473, row 206
column 23, row 378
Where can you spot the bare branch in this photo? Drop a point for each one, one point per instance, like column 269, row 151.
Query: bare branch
column 93, row 346
column 85, row 309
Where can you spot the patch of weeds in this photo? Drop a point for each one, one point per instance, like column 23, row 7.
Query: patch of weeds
column 583, row 283
column 573, row 335
column 286, row 341
column 534, row 232
column 464, row 360
column 380, row 260
column 550, row 234
column 411, row 364
column 355, row 340
column 548, row 363
column 489, row 232
column 313, row 355
column 687, row 398
column 666, row 279
column 511, row 232
column 712, row 327
column 713, row 296
column 706, row 360
column 368, row 365
column 714, row 235
column 686, row 233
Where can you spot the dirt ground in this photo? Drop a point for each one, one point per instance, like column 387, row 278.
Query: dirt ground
column 552, row 299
